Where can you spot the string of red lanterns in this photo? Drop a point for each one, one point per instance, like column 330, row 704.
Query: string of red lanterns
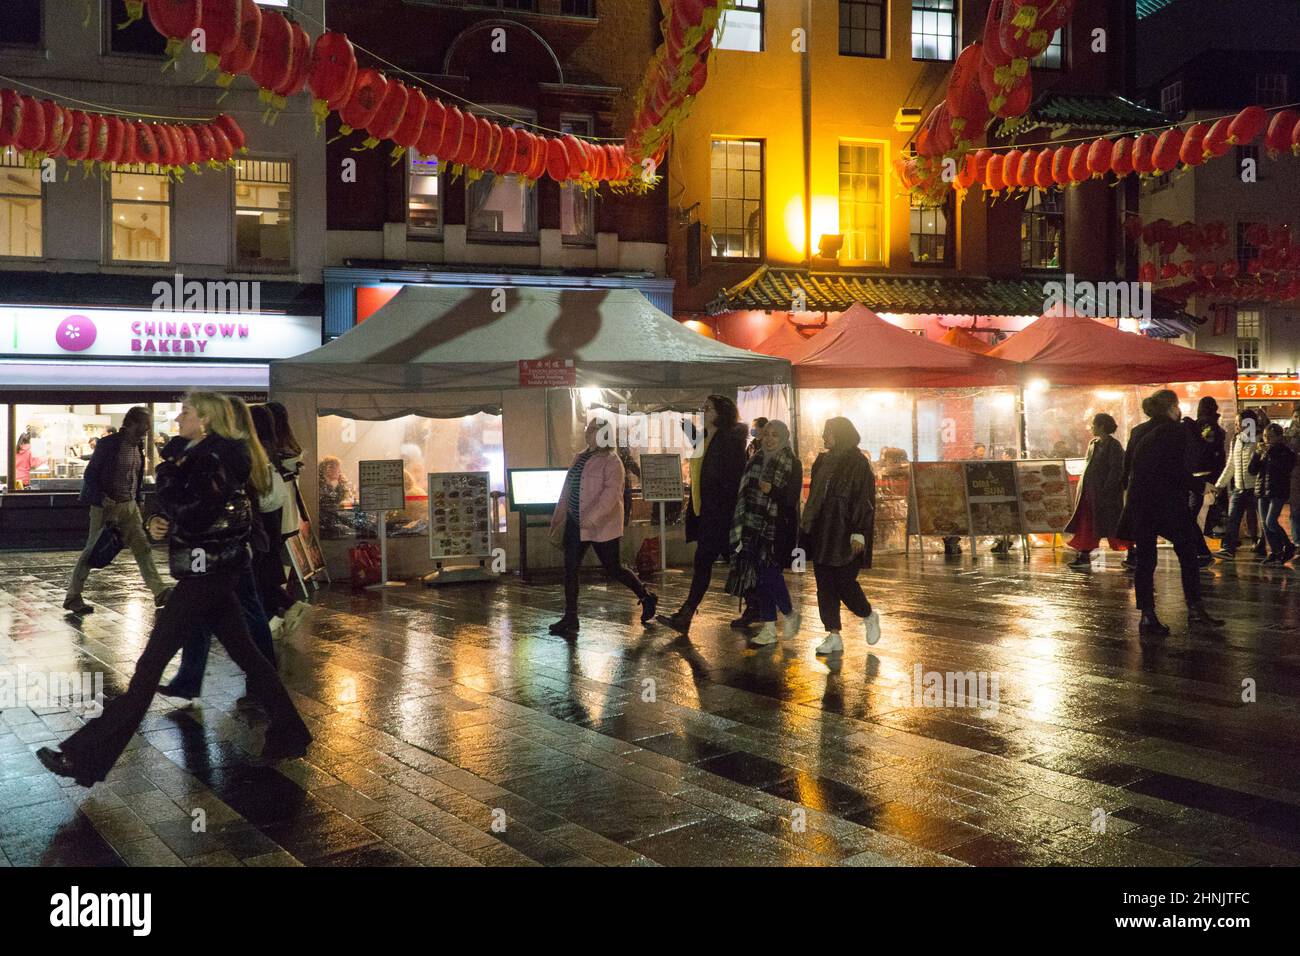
column 1273, row 272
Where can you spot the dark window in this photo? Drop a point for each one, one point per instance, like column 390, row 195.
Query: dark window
column 934, row 29
column 505, row 4
column 21, row 23
column 1042, row 227
column 139, row 39
column 932, row 234
column 578, row 8
column 1245, row 250
column 862, row 27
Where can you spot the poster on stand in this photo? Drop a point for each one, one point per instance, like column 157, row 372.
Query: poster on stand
column 661, row 478
column 460, row 515
column 940, row 490
column 383, row 485
column 991, row 488
column 1045, row 502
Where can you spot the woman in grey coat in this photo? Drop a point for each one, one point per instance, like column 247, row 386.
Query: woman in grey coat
column 1101, row 495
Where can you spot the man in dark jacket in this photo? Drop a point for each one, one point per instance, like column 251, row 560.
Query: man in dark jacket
column 1158, row 483
column 1206, row 455
column 113, row 486
column 716, row 471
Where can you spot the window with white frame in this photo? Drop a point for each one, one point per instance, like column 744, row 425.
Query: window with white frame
column 1270, row 89
column 21, row 203
column 931, row 232
column 502, row 207
column 1042, row 228
column 139, row 216
column 736, row 198
column 577, row 207
column 934, row 29
column 1053, row 55
column 1248, row 331
column 742, row 27
column 423, row 196
column 862, row 202
column 863, row 27
column 264, row 214
column 1171, row 99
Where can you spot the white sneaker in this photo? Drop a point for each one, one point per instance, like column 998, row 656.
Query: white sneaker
column 832, row 645
column 276, row 623
column 790, row 625
column 292, row 617
column 873, row 627
column 766, row 635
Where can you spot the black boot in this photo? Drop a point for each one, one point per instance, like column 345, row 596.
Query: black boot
column 1198, row 616
column 1150, row 626
column 59, row 763
column 748, row 617
column 679, row 622
column 1081, row 562
column 649, row 604
column 566, row 626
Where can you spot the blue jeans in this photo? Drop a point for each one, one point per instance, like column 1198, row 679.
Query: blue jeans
column 194, row 652
column 771, row 593
column 1238, row 504
column 1269, row 510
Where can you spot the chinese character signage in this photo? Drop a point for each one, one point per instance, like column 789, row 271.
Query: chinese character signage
column 547, row 373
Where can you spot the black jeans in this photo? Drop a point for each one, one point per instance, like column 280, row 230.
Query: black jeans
column 268, row 568
column 208, row 598
column 701, row 576
column 607, row 552
column 1240, row 504
column 1144, row 578
column 836, row 585
column 1194, row 502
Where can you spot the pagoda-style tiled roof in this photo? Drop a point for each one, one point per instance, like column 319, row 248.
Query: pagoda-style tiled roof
column 1147, row 7
column 778, row 289
column 1100, row 112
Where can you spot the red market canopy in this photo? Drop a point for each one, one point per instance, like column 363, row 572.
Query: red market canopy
column 785, row 342
column 862, row 350
column 1075, row 350
column 959, row 338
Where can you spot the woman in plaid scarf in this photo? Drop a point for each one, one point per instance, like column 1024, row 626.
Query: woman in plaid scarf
column 764, row 529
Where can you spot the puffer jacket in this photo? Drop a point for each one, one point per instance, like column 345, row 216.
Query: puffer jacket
column 202, row 491
column 1236, row 471
column 1272, row 470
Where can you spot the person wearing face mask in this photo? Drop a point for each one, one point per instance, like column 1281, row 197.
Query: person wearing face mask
column 203, row 496
column 716, row 468
column 1272, row 463
column 756, row 436
column 590, row 514
column 837, row 524
column 1236, row 479
column 1158, row 482
column 763, row 532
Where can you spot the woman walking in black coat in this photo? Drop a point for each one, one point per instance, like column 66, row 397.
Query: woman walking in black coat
column 838, row 523
column 716, row 468
column 1101, row 494
column 209, row 518
column 763, row 532
column 1271, row 464
column 1158, row 484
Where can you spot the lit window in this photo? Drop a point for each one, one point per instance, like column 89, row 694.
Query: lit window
column 577, row 208
column 263, row 214
column 736, row 198
column 742, row 27
column 862, row 202
column 423, row 195
column 1042, row 226
column 140, row 216
column 501, row 207
column 21, row 195
column 932, row 233
column 1248, row 325
column 1053, row 55
column 934, row 29
column 1171, row 99
column 862, row 27
column 1270, row 89
column 21, row 24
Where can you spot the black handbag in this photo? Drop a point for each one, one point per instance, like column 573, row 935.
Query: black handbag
column 107, row 546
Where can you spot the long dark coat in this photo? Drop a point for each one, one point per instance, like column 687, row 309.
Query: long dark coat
column 724, row 466
column 1102, row 486
column 1159, row 483
column 848, row 508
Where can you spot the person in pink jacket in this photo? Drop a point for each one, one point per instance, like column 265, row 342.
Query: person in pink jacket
column 590, row 512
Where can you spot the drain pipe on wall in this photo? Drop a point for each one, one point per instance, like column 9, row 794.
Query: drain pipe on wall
column 806, row 103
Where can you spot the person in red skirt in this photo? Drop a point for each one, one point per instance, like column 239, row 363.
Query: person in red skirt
column 1101, row 495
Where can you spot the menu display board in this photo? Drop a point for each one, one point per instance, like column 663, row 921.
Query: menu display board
column 661, row 478
column 383, row 485
column 940, row 489
column 991, row 489
column 460, row 515
column 1045, row 503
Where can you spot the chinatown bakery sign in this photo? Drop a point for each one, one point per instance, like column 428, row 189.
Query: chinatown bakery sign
column 44, row 332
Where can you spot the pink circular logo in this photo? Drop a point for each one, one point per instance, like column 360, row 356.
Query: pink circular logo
column 76, row 333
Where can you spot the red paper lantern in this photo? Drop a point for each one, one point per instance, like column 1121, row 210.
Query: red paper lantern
column 224, row 150
column 1099, row 154
column 1017, row 99
column 54, row 123
column 333, row 72
column 1192, row 152
column 435, row 122
column 557, row 161
column 241, row 56
column 274, row 61
column 220, row 22
column 1230, row 269
column 967, row 104
column 1121, row 156
column 993, row 180
column 176, row 20
column 80, row 142
column 193, row 149
column 1246, row 125
column 1278, row 138
column 409, row 129
column 982, row 157
column 1165, row 156
column 1147, row 272
column 301, row 71
column 1187, row 267
column 966, row 172
column 489, row 150
column 470, row 133
column 1207, row 269
column 453, row 134
column 115, row 140
column 363, row 103
column 576, row 154
column 1144, row 154
column 513, row 146
column 1043, row 169
column 1079, row 164
column 1168, row 271
column 540, row 160
column 146, row 145
column 11, row 117
column 98, row 138
column 207, row 143
column 227, row 124
column 31, row 135
column 1025, row 169
column 165, row 145
column 1011, row 168
column 392, row 109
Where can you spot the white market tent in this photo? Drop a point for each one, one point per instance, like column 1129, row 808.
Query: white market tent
column 450, row 351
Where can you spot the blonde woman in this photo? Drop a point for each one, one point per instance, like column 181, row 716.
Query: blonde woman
column 203, row 494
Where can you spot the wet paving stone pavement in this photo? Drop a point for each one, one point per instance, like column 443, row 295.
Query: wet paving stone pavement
column 441, row 715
